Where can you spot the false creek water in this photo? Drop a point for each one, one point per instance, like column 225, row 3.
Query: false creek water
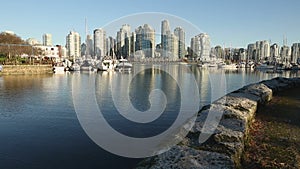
column 39, row 127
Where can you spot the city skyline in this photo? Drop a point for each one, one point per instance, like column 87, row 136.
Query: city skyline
column 233, row 23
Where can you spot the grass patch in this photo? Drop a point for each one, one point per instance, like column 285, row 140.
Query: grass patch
column 274, row 138
column 2, row 59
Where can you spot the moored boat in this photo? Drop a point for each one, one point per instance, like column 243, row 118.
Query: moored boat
column 86, row 66
column 123, row 65
column 75, row 67
column 58, row 69
column 106, row 65
column 264, row 66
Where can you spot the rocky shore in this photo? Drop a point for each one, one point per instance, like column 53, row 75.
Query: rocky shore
column 223, row 148
column 26, row 69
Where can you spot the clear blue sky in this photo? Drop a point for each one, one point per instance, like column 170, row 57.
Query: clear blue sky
column 235, row 22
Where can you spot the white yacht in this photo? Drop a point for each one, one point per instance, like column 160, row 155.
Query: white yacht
column 123, row 65
column 212, row 64
column 227, row 66
column 264, row 66
column 205, row 64
column 241, row 65
column 106, row 65
column 86, row 66
column 59, row 67
column 75, row 67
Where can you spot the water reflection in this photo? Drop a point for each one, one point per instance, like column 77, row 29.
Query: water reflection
column 38, row 124
column 138, row 92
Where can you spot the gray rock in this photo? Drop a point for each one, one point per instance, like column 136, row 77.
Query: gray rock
column 183, row 157
column 281, row 83
column 260, row 90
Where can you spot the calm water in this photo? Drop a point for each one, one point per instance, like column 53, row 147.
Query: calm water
column 39, row 127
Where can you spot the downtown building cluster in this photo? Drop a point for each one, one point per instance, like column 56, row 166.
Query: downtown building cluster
column 260, row 51
column 140, row 43
column 137, row 44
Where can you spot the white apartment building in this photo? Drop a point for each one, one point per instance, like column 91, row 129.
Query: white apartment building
column 200, row 45
column 47, row 39
column 99, row 43
column 73, row 42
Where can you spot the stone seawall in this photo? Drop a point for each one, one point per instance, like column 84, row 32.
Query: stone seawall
column 26, row 69
column 224, row 148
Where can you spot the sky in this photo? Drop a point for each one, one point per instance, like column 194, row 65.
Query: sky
column 234, row 23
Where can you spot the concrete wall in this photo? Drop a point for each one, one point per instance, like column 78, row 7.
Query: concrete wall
column 26, row 69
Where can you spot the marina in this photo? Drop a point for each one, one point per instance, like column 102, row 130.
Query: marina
column 38, row 116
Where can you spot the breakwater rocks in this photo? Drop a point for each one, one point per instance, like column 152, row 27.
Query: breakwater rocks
column 26, row 69
column 224, row 146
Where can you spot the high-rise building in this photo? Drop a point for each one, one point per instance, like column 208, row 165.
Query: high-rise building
column 165, row 37
column 73, row 42
column 219, row 53
column 274, row 52
column 110, row 46
column 239, row 54
column 179, row 32
column 47, row 39
column 89, row 46
column 99, row 43
column 251, row 51
column 200, row 45
column 285, row 54
column 262, row 50
column 145, row 40
column 83, row 49
column 132, row 43
column 193, row 44
column 123, row 41
column 295, row 53
column 138, row 38
column 173, row 47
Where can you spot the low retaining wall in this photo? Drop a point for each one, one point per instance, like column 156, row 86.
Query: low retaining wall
column 225, row 146
column 26, row 69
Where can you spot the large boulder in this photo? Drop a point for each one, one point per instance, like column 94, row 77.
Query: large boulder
column 187, row 157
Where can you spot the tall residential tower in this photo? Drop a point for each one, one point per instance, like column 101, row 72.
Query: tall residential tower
column 179, row 32
column 145, row 40
column 200, row 45
column 99, row 43
column 124, row 41
column 73, row 42
column 47, row 39
column 165, row 37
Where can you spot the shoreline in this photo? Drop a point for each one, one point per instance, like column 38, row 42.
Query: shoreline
column 225, row 147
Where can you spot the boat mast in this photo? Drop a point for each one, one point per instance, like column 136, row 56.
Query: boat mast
column 86, row 40
column 224, row 53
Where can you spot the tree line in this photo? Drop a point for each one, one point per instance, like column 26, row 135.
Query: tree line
column 12, row 47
